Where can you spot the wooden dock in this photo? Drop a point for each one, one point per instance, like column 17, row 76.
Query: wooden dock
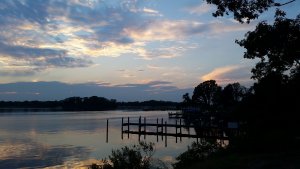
column 175, row 115
column 162, row 129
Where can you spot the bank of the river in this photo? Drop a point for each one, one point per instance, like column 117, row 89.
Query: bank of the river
column 250, row 161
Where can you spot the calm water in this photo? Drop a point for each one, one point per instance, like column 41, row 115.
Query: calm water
column 73, row 139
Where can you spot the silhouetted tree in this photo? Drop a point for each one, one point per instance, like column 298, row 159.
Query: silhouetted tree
column 233, row 93
column 244, row 10
column 231, row 97
column 277, row 46
column 186, row 101
column 271, row 108
column 186, row 98
column 207, row 95
column 236, row 91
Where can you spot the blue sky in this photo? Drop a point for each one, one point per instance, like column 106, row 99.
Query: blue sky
column 154, row 47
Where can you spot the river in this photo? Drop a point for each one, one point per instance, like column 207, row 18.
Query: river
column 74, row 139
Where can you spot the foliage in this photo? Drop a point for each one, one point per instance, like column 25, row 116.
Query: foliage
column 271, row 114
column 244, row 9
column 207, row 94
column 197, row 152
column 277, row 46
column 233, row 92
column 131, row 157
column 270, row 110
column 88, row 103
column 212, row 98
column 186, row 101
column 231, row 97
column 186, row 98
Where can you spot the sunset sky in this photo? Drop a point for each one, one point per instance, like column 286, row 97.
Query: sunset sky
column 123, row 49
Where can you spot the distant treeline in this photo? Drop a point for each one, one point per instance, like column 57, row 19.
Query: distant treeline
column 85, row 104
column 149, row 105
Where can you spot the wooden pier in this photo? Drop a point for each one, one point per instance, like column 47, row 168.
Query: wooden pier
column 162, row 129
column 175, row 115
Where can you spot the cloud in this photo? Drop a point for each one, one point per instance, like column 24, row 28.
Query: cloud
column 229, row 26
column 26, row 47
column 18, row 71
column 177, row 74
column 170, row 30
column 42, row 34
column 25, row 52
column 13, row 11
column 126, row 75
column 229, row 74
column 151, row 11
column 158, row 83
column 167, row 52
column 163, row 30
column 152, row 67
column 7, row 93
column 23, row 60
column 201, row 9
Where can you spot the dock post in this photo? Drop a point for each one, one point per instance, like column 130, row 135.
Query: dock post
column 162, row 128
column 144, row 128
column 128, row 128
column 188, row 128
column 107, row 131
column 166, row 132
column 176, row 131
column 157, row 130
column 122, row 124
column 122, row 128
column 180, row 130
column 140, row 123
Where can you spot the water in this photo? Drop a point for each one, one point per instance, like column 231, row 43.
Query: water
column 74, row 139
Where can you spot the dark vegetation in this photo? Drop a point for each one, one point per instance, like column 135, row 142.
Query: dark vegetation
column 197, row 152
column 149, row 105
column 224, row 159
column 69, row 104
column 245, row 10
column 129, row 157
column 268, row 110
column 85, row 104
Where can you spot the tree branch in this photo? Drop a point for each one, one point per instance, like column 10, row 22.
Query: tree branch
column 279, row 4
column 297, row 61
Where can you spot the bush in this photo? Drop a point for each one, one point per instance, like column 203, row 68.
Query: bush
column 197, row 152
column 129, row 157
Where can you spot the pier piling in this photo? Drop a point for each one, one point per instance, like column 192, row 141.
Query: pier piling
column 107, row 131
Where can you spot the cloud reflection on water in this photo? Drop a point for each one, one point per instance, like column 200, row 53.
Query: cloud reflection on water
column 30, row 154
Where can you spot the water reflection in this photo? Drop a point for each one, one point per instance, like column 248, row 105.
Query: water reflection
column 30, row 154
column 56, row 139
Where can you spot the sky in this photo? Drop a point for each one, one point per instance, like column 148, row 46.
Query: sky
column 120, row 49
